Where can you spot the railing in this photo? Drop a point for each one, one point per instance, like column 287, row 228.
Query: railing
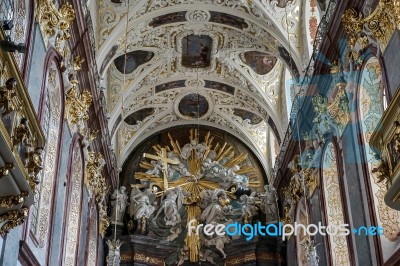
column 21, row 141
column 306, row 80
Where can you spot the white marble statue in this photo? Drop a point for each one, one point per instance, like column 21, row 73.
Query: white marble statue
column 270, row 204
column 212, row 155
column 170, row 205
column 119, row 201
column 141, row 203
column 182, row 169
column 207, row 164
column 200, row 149
column 218, row 242
column 249, row 209
column 217, row 210
column 157, row 168
column 231, row 174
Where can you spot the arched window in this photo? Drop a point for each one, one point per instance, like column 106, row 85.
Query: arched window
column 370, row 108
column 50, row 114
column 74, row 205
column 339, row 249
column 91, row 259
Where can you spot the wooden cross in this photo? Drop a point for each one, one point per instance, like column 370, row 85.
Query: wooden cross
column 165, row 161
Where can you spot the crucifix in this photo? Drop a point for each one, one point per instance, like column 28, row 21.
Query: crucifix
column 165, row 161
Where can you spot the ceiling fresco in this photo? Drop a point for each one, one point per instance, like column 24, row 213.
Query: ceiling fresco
column 193, row 105
column 261, row 63
column 218, row 64
column 131, row 61
column 138, row 116
column 196, row 51
column 228, row 20
column 168, row 18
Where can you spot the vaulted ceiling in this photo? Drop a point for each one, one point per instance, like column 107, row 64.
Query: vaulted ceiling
column 219, row 63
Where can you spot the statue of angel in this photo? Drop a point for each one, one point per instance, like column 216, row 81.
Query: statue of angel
column 231, row 174
column 186, row 150
column 157, row 168
column 200, row 149
column 216, row 212
column 207, row 164
column 141, row 206
column 249, row 209
column 171, row 205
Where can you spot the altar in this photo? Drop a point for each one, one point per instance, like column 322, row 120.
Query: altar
column 170, row 191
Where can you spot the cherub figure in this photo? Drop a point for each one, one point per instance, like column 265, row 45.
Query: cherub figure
column 249, row 209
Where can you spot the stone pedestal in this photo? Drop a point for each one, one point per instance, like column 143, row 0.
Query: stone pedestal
column 116, row 229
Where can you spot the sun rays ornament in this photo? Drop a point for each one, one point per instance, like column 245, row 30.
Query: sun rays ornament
column 190, row 179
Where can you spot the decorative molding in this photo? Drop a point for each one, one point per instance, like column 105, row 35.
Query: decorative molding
column 197, row 16
column 55, row 23
column 379, row 25
column 13, row 219
column 74, row 206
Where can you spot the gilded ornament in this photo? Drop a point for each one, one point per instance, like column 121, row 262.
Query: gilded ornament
column 77, row 106
column 12, row 219
column 7, row 95
column 339, row 108
column 10, row 201
column 5, row 170
column 311, row 181
column 22, row 133
column 380, row 24
column 396, row 138
column 381, row 172
column 34, row 163
column 104, row 220
column 55, row 22
column 302, row 183
column 77, row 63
column 93, row 177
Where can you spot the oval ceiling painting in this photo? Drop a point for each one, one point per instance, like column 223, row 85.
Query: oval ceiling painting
column 133, row 61
column 140, row 115
column 193, row 105
column 246, row 115
column 261, row 63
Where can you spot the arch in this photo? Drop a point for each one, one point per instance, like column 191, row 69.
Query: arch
column 339, row 251
column 51, row 112
column 74, row 203
column 369, row 108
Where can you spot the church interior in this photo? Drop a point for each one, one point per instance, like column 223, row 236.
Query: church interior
column 199, row 132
